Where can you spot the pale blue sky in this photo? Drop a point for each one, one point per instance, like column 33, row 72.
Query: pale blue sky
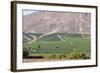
column 27, row 12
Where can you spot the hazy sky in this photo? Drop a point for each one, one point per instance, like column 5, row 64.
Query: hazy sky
column 27, row 12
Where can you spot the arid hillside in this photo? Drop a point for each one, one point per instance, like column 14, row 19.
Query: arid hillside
column 58, row 22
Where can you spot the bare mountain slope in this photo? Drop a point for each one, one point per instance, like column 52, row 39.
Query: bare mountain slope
column 62, row 22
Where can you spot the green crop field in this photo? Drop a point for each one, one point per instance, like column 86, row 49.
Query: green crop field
column 52, row 47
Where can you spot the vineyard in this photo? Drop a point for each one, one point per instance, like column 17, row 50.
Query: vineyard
column 57, row 46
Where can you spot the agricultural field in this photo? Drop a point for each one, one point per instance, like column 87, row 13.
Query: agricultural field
column 56, row 46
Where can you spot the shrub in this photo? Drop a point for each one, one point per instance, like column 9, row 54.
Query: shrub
column 25, row 53
column 38, row 46
column 52, row 57
column 57, row 46
column 79, row 55
column 62, row 56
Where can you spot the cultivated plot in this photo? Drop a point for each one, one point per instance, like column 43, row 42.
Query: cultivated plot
column 52, row 36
